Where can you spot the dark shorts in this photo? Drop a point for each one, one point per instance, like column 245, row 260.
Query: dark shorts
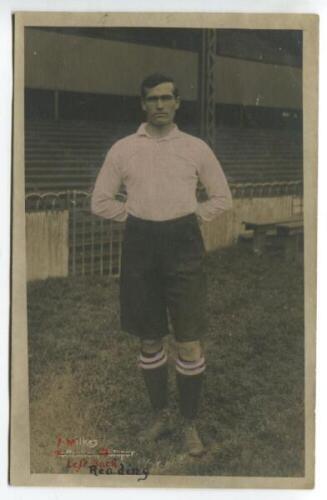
column 162, row 273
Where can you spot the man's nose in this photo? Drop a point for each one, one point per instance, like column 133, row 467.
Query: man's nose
column 159, row 103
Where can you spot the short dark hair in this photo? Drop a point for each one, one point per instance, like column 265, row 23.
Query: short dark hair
column 156, row 79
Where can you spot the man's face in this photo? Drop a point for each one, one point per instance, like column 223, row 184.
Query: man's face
column 160, row 104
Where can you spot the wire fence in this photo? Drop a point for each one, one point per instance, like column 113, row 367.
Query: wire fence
column 95, row 244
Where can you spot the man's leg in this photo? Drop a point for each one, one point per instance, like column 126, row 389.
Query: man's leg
column 143, row 310
column 190, row 367
column 153, row 363
column 185, row 285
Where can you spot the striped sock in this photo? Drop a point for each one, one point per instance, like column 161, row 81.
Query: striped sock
column 155, row 375
column 189, row 377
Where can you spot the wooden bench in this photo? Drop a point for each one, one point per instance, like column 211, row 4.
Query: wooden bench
column 293, row 231
column 288, row 227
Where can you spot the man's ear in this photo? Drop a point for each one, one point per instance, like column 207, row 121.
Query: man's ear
column 143, row 105
column 178, row 102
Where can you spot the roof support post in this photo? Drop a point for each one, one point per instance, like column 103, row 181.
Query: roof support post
column 207, row 87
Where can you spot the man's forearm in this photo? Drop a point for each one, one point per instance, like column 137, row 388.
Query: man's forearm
column 212, row 208
column 108, row 208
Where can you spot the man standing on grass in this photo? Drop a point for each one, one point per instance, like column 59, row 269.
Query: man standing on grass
column 162, row 258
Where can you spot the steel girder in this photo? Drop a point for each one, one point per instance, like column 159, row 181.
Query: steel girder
column 207, row 91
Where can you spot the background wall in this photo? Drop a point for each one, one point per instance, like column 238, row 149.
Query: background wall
column 257, row 84
column 47, row 244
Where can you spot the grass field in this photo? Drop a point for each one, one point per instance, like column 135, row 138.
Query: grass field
column 84, row 380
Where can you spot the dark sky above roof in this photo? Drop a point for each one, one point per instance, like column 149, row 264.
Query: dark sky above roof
column 268, row 46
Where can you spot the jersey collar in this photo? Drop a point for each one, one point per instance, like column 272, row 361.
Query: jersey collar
column 174, row 132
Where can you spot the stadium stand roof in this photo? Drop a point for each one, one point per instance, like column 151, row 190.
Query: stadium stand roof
column 282, row 47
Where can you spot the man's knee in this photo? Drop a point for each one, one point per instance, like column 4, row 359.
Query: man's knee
column 151, row 346
column 189, row 351
column 152, row 355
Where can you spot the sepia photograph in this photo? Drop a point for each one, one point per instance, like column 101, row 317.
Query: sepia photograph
column 164, row 191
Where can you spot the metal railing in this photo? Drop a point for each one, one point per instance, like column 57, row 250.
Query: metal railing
column 65, row 200
column 266, row 189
